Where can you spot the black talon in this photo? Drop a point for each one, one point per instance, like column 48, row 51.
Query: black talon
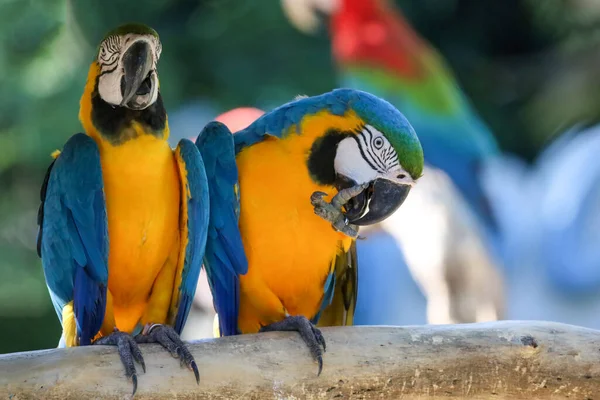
column 170, row 340
column 320, row 338
column 320, row 362
column 137, row 354
column 134, row 380
column 194, row 368
column 311, row 335
column 128, row 352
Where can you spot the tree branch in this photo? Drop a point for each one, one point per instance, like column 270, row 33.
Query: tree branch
column 509, row 359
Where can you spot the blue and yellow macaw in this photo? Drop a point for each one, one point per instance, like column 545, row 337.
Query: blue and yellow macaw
column 273, row 260
column 124, row 218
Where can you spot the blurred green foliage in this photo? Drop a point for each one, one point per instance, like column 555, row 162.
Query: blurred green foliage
column 236, row 53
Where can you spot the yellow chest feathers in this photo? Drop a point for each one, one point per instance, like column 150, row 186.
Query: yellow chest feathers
column 142, row 188
column 289, row 248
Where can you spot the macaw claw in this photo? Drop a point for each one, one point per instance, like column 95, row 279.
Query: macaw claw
column 332, row 212
column 129, row 352
column 311, row 335
column 170, row 340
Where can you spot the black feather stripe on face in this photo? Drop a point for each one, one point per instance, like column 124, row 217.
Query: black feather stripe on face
column 370, row 150
column 380, row 159
column 108, row 54
column 321, row 157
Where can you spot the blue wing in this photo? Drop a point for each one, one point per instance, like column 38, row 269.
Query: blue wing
column 225, row 258
column 73, row 235
column 194, row 215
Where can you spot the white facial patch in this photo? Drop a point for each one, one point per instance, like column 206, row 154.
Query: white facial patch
column 109, row 87
column 368, row 156
column 349, row 162
column 110, row 59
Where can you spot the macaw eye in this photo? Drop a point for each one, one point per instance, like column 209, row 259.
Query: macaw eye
column 103, row 54
column 378, row 143
column 401, row 176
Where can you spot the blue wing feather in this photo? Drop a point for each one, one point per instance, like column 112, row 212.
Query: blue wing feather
column 225, row 258
column 328, row 292
column 197, row 223
column 73, row 235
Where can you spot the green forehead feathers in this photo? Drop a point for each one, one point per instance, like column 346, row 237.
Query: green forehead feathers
column 409, row 150
column 129, row 29
column 132, row 28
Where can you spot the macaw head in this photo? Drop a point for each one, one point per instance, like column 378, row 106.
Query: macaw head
column 384, row 153
column 370, row 33
column 309, row 16
column 127, row 57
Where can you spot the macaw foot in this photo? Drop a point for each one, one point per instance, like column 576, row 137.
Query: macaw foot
column 310, row 334
column 169, row 339
column 332, row 212
column 128, row 351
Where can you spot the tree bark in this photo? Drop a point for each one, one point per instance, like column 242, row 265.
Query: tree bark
column 499, row 360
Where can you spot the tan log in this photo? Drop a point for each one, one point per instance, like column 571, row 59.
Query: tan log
column 496, row 360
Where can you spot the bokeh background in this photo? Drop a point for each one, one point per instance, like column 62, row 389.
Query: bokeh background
column 530, row 68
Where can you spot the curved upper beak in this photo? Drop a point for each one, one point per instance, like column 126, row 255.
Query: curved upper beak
column 137, row 64
column 380, row 200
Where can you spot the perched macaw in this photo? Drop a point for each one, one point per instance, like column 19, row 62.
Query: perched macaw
column 124, row 218
column 376, row 49
column 273, row 260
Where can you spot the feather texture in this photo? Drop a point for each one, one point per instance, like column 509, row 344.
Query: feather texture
column 73, row 237
column 380, row 114
column 195, row 216
column 225, row 257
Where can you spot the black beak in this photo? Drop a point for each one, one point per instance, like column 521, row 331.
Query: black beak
column 137, row 64
column 380, row 200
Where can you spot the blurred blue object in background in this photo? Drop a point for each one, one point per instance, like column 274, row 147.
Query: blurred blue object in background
column 507, row 182
column 387, row 294
column 188, row 120
column 568, row 178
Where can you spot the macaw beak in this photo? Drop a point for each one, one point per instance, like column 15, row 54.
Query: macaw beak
column 380, row 200
column 137, row 84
